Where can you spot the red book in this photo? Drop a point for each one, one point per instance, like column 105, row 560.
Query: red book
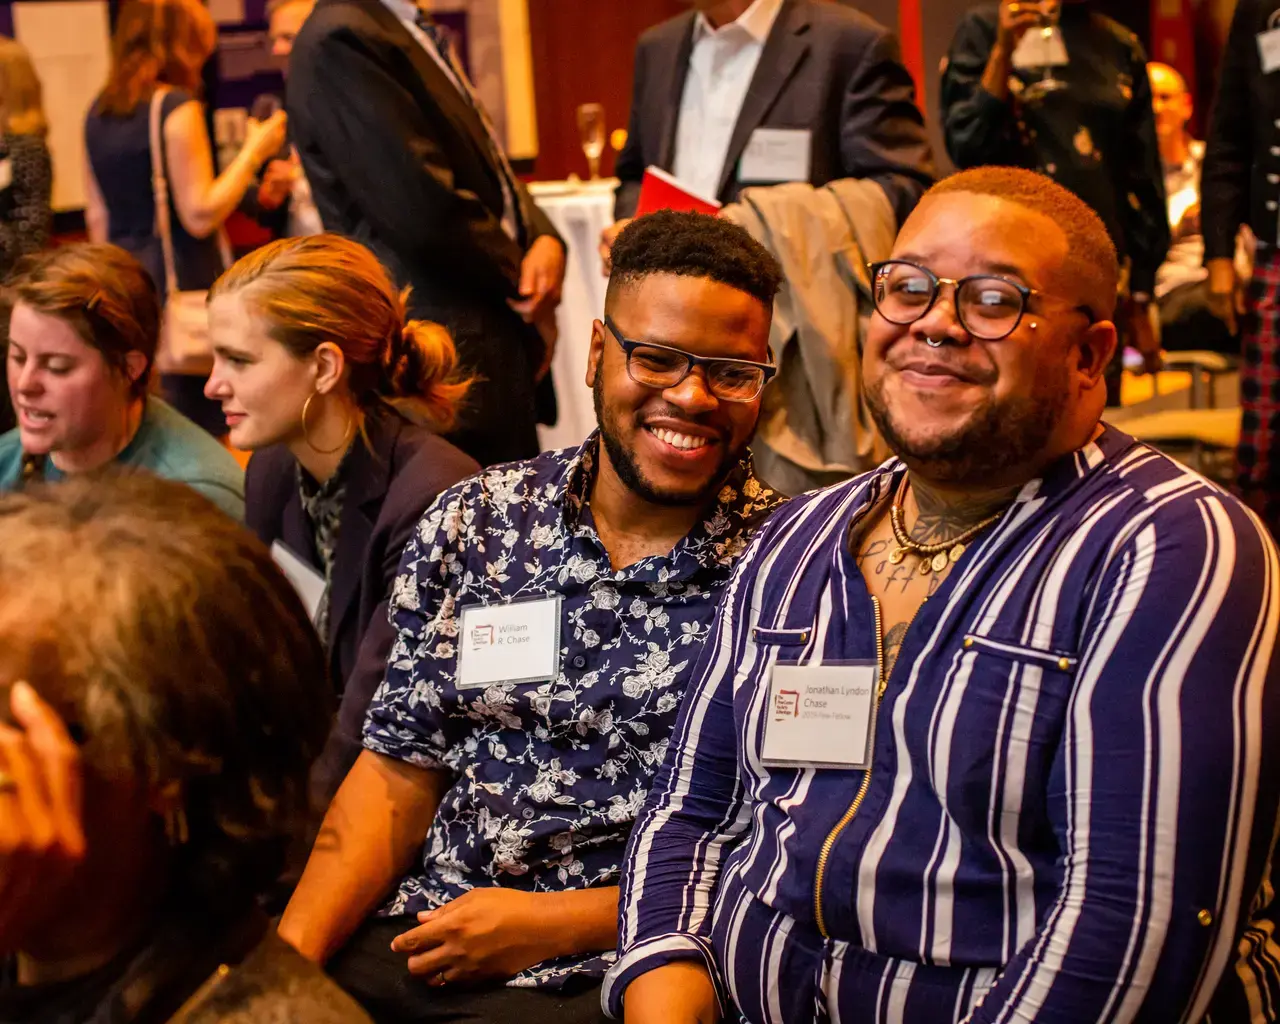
column 661, row 191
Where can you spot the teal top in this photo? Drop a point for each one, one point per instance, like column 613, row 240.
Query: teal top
column 166, row 444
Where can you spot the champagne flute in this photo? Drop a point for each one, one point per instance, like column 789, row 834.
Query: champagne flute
column 1050, row 13
column 591, row 132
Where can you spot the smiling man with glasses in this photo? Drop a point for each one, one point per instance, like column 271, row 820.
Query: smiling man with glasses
column 987, row 734
column 548, row 616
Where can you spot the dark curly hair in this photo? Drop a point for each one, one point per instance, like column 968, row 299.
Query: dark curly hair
column 163, row 634
column 693, row 245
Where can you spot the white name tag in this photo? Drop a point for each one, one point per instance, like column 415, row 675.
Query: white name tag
column 1269, row 50
column 306, row 581
column 517, row 642
column 777, row 154
column 1040, row 49
column 821, row 716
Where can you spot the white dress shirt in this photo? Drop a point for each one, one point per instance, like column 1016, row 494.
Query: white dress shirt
column 721, row 67
column 407, row 11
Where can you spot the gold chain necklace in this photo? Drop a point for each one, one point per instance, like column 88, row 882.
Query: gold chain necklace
column 933, row 557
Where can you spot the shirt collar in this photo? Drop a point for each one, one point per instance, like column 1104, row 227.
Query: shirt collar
column 405, row 10
column 741, row 505
column 757, row 20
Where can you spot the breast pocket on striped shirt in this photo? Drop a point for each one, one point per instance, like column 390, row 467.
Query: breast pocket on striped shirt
column 1008, row 704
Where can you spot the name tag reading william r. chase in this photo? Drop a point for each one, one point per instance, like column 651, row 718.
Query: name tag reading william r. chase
column 516, row 642
column 821, row 716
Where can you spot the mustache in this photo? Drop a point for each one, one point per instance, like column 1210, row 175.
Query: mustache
column 940, row 363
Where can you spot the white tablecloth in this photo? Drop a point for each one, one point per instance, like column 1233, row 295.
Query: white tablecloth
column 580, row 213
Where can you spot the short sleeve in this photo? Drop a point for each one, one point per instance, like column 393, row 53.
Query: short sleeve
column 407, row 719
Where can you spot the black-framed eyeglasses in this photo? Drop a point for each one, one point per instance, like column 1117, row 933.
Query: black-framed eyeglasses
column 988, row 306
column 661, row 367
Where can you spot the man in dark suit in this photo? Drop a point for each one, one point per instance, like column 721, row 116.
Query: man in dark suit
column 736, row 93
column 402, row 157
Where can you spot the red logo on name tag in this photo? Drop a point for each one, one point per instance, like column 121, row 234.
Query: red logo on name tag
column 481, row 636
column 786, row 704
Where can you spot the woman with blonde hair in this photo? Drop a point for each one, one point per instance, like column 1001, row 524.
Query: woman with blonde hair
column 341, row 398
column 26, row 170
column 158, row 53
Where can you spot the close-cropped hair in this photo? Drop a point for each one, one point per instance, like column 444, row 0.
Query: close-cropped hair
column 326, row 288
column 156, row 43
column 1092, row 270
column 102, row 292
column 693, row 245
column 21, row 96
column 181, row 660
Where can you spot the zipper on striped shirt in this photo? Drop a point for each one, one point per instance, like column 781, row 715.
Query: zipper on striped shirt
column 825, row 853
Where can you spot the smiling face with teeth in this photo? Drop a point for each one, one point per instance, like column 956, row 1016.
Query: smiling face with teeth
column 675, row 446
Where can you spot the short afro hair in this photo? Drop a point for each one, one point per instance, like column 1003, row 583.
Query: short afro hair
column 693, row 245
column 1092, row 270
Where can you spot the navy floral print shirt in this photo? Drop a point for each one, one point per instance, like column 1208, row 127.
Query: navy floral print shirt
column 548, row 777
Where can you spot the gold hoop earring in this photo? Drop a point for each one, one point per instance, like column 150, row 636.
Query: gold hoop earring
column 306, row 433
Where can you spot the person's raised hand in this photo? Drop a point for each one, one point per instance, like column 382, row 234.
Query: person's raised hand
column 1016, row 17
column 41, row 830
column 264, row 139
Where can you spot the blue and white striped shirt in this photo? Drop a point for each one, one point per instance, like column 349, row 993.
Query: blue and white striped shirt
column 1071, row 809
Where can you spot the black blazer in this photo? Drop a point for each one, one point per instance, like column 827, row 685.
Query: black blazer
column 399, row 160
column 390, row 484
column 824, row 67
column 1240, row 179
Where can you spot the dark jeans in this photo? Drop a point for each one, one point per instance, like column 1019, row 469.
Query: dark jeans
column 380, row 982
column 1187, row 325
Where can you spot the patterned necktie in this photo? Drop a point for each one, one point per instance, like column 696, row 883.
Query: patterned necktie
column 440, row 39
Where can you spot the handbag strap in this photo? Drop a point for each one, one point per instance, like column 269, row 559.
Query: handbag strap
column 160, row 192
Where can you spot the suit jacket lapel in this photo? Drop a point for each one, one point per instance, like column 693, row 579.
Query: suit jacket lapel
column 367, row 483
column 668, row 79
column 783, row 51
column 456, row 107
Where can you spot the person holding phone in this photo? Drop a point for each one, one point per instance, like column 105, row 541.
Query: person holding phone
column 162, row 45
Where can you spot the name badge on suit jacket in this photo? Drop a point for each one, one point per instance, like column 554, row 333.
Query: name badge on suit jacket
column 777, row 154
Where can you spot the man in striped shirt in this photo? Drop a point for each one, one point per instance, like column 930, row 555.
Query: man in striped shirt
column 978, row 736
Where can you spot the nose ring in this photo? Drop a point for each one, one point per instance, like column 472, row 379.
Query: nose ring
column 933, row 342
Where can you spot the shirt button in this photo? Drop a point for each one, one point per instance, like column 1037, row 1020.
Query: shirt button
column 527, row 813
column 1275, row 150
column 1273, row 179
column 579, row 661
column 1271, row 204
column 1205, row 918
column 1277, row 122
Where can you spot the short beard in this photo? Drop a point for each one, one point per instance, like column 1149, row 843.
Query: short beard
column 628, row 469
column 1004, row 435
